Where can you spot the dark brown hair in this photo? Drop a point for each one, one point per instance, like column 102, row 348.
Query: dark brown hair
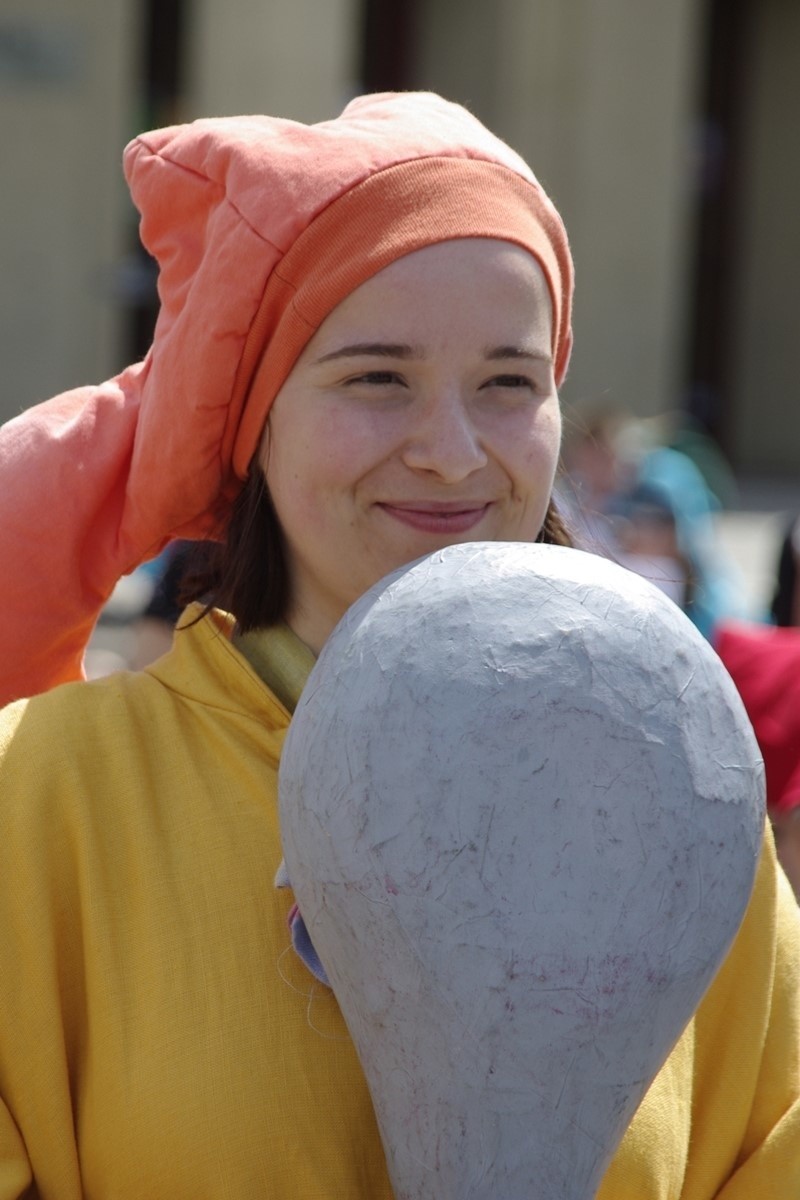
column 247, row 574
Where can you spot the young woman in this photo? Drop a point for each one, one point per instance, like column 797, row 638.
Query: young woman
column 363, row 328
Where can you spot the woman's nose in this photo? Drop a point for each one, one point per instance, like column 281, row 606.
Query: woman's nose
column 444, row 439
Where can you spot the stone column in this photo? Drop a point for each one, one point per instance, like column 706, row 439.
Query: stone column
column 289, row 58
column 65, row 114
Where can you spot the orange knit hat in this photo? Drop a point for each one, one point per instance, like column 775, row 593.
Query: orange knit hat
column 260, row 227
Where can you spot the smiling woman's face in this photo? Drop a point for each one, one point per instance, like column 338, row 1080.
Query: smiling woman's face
column 423, row 412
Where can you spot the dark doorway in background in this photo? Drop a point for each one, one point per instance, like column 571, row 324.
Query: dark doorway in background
column 725, row 77
column 160, row 91
column 387, row 44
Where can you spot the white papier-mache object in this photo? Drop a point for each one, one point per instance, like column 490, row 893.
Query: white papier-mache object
column 521, row 806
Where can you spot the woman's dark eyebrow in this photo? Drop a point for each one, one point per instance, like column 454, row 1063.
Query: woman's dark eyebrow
column 521, row 352
column 373, row 350
column 403, row 351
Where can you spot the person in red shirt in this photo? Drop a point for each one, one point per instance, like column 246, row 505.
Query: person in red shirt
column 764, row 663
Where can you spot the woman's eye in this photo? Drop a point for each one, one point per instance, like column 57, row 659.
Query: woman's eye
column 510, row 381
column 376, row 378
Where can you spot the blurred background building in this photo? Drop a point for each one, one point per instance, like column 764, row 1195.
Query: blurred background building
column 666, row 133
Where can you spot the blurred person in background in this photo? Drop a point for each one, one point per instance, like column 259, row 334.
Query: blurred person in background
column 649, row 507
column 786, row 597
column 764, row 663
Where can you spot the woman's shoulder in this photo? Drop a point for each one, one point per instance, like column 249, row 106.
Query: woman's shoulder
column 65, row 783
column 109, row 745
column 49, row 742
column 45, row 720
column 202, row 671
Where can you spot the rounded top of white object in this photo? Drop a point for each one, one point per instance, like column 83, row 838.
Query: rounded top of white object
column 529, row 631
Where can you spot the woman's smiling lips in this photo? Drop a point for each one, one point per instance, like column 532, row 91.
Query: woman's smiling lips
column 437, row 516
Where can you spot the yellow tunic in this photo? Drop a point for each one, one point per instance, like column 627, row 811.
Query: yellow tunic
column 159, row 1038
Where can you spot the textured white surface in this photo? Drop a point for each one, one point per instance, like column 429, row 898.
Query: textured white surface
column 521, row 808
